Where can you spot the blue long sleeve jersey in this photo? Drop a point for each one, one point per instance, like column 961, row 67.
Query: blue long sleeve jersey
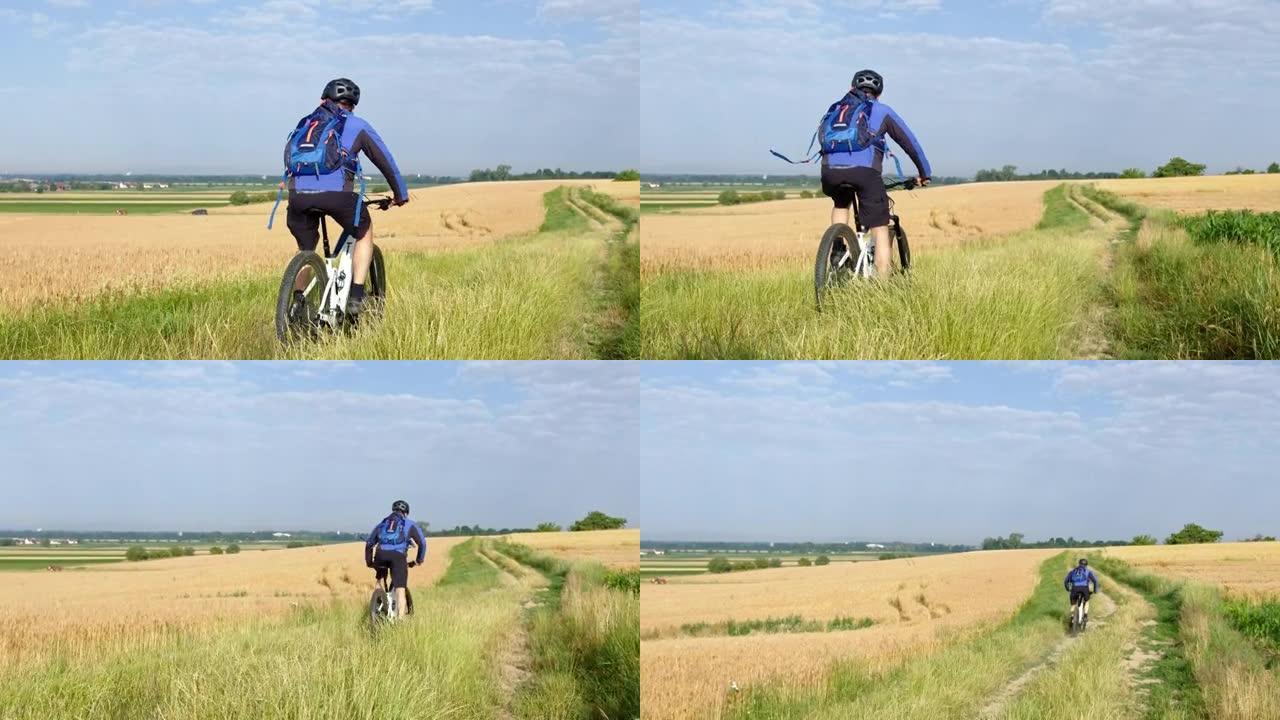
column 415, row 535
column 358, row 136
column 882, row 121
column 1078, row 579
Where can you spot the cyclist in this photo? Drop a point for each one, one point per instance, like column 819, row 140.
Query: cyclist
column 392, row 536
column 861, row 169
column 1077, row 583
column 334, row 194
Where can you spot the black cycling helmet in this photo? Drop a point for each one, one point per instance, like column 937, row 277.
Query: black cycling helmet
column 400, row 506
column 342, row 90
column 1084, row 562
column 869, row 81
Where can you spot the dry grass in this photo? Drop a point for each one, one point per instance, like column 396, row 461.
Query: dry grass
column 147, row 601
column 613, row 548
column 1197, row 194
column 787, row 231
column 68, row 257
column 687, row 677
column 1242, row 569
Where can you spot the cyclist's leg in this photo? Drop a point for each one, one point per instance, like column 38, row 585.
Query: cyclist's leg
column 305, row 227
column 399, row 578
column 841, row 197
column 344, row 212
column 873, row 203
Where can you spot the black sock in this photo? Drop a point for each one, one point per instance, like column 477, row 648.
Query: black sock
column 357, row 291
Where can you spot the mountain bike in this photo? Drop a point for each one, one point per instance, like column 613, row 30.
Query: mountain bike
column 1079, row 613
column 313, row 293
column 382, row 606
column 845, row 253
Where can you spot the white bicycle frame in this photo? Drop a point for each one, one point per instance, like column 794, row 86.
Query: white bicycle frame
column 337, row 288
column 1081, row 609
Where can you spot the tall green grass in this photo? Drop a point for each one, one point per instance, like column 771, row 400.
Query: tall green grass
column 1017, row 297
column 529, row 297
column 1259, row 620
column 1177, row 298
column 319, row 662
column 1241, row 227
column 585, row 642
column 1217, row 670
column 954, row 682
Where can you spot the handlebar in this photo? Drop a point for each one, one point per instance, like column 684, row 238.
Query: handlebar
column 907, row 184
column 383, row 202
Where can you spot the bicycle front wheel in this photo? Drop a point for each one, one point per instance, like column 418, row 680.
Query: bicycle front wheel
column 376, row 285
column 904, row 250
column 301, row 297
column 837, row 256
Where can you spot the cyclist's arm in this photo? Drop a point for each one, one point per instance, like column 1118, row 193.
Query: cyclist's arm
column 368, row 142
column 1096, row 584
column 420, row 539
column 901, row 134
column 369, row 543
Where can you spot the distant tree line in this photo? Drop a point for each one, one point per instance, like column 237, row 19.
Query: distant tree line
column 503, row 172
column 1017, row 541
column 1010, row 172
column 784, row 181
column 197, row 537
column 798, row 548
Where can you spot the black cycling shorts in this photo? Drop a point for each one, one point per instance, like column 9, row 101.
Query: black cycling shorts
column 866, row 184
column 397, row 562
column 304, row 221
column 1080, row 594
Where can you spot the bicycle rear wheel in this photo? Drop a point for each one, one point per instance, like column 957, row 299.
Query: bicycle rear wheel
column 379, row 604
column 297, row 315
column 837, row 255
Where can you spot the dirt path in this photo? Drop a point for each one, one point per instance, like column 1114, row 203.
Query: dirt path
column 515, row 661
column 1094, row 343
column 1101, row 608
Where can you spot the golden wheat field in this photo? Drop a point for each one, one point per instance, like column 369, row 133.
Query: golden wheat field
column 917, row 603
column 787, row 231
column 614, row 548
column 142, row 601
column 1242, row 569
column 69, row 257
column 1197, row 194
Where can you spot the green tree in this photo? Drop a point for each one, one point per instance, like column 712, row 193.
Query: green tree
column 804, row 562
column 188, row 551
column 6, row 542
column 775, row 562
column 1132, row 173
column 502, row 173
column 239, row 197
column 548, row 527
column 1144, row 540
column 1273, row 168
column 1192, row 533
column 175, row 552
column 136, row 553
column 215, row 550
column 761, row 563
column 822, row 560
column 596, row 520
column 719, row 565
column 1178, row 167
column 729, row 197
column 45, row 542
column 232, row 549
column 628, row 175
column 1015, row 540
column 1261, row 538
column 806, row 194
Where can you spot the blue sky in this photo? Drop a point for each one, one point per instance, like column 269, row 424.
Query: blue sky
column 316, row 445
column 214, row 87
column 1082, row 84
column 954, row 452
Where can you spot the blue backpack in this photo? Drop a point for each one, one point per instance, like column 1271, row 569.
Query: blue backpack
column 844, row 127
column 1080, row 577
column 315, row 145
column 315, row 148
column 393, row 532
